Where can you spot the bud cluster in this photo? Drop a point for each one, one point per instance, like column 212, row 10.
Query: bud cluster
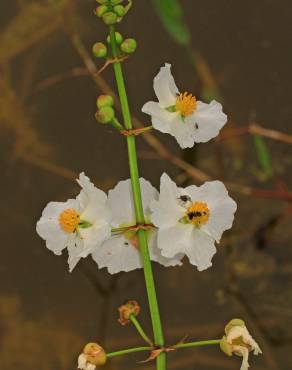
column 126, row 47
column 111, row 11
column 105, row 112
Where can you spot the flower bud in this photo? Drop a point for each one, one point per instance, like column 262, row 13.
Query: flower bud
column 101, row 10
column 128, row 309
column 102, row 1
column 239, row 341
column 115, row 2
column 119, row 10
column 99, row 50
column 110, row 18
column 93, row 355
column 104, row 101
column 129, row 46
column 119, row 38
column 105, row 115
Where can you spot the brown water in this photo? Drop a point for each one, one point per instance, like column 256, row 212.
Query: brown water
column 47, row 314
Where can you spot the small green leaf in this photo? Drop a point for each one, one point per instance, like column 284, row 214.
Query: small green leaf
column 263, row 156
column 171, row 16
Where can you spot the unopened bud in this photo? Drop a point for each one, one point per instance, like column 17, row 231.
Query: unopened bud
column 105, row 115
column 101, row 10
column 128, row 46
column 110, row 18
column 128, row 309
column 119, row 38
column 93, row 355
column 119, row 10
column 104, row 101
column 102, row 1
column 115, row 2
column 99, row 50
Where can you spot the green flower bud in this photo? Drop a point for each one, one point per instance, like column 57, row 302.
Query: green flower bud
column 101, row 10
column 99, row 50
column 110, row 18
column 129, row 46
column 119, row 10
column 104, row 101
column 119, row 38
column 105, row 115
column 102, row 1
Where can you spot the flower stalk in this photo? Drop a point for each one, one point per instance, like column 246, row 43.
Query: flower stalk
column 132, row 155
column 140, row 330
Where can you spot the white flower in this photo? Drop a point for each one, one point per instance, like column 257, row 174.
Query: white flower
column 80, row 224
column 190, row 220
column 239, row 341
column 93, row 355
column 121, row 252
column 180, row 114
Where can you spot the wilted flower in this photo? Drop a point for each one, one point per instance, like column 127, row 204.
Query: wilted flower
column 190, row 220
column 180, row 114
column 128, row 309
column 121, row 251
column 238, row 340
column 80, row 224
column 93, row 355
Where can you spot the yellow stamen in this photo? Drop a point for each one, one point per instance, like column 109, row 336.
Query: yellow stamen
column 198, row 213
column 69, row 220
column 185, row 104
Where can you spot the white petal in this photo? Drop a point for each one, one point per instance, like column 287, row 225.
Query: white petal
column 93, row 237
column 166, row 212
column 161, row 119
column 221, row 206
column 175, row 240
column 82, row 361
column 93, row 201
column 184, row 133
column 209, row 119
column 155, row 253
column 117, row 254
column 201, row 250
column 75, row 248
column 53, row 210
column 121, row 201
column 242, row 351
column 56, row 238
column 165, row 87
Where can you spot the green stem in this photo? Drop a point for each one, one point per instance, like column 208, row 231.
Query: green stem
column 128, row 350
column 140, row 330
column 178, row 346
column 148, row 274
column 198, row 344
column 116, row 124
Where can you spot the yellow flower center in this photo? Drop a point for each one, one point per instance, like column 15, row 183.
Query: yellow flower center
column 185, row 104
column 198, row 213
column 69, row 220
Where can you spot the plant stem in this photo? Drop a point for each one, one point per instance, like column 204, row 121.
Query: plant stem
column 143, row 245
column 178, row 346
column 198, row 344
column 140, row 330
column 128, row 350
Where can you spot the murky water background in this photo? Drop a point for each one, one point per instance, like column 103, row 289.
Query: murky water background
column 49, row 133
